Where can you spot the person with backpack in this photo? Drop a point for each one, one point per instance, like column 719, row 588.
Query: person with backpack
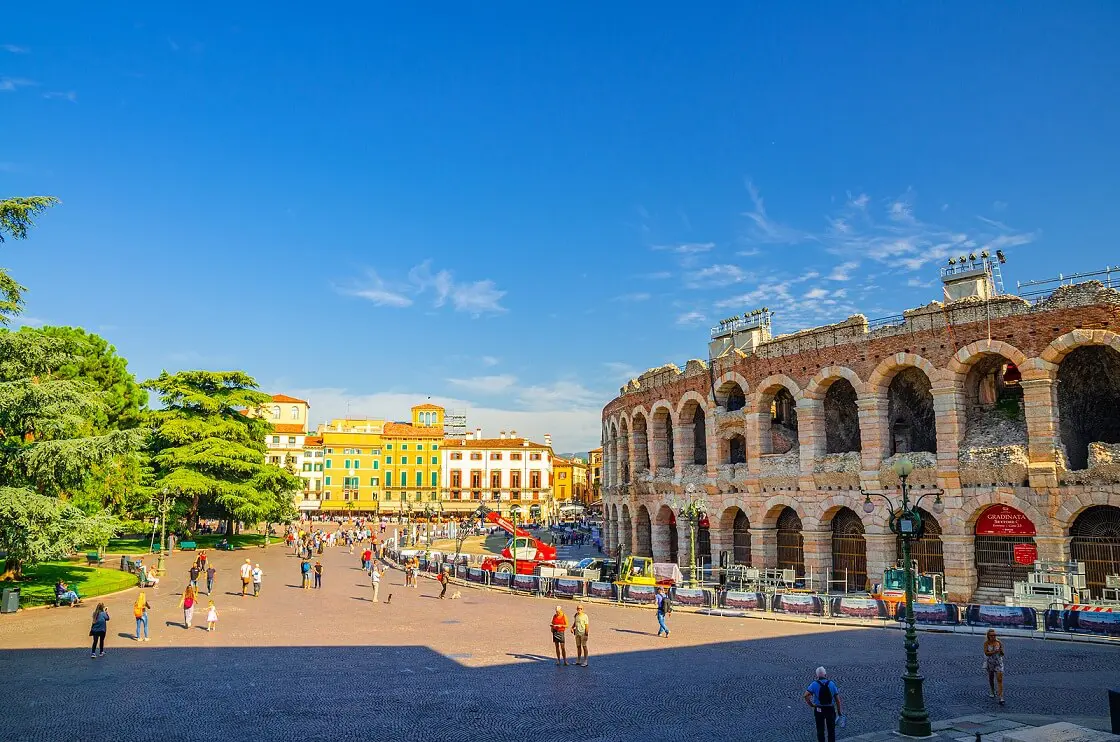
column 664, row 609
column 140, row 612
column 305, row 573
column 823, row 697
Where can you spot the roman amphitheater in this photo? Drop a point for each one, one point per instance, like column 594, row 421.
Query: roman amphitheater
column 1009, row 411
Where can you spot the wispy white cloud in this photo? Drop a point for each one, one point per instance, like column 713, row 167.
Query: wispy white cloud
column 687, row 248
column 489, row 361
column 655, row 276
column 750, row 252
column 816, row 293
column 474, row 297
column 633, row 297
column 620, row 371
column 11, row 84
column 376, row 291
column 485, row 384
column 69, row 95
column 721, row 274
column 15, row 49
column 765, row 230
column 690, row 319
column 843, row 272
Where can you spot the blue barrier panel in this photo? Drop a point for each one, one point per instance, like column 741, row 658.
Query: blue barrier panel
column 798, row 604
column 931, row 614
column 461, row 572
column 639, row 594
column 601, row 590
column 474, row 574
column 694, row 597
column 500, row 579
column 1002, row 616
column 1083, row 622
column 568, row 588
column 858, row 608
column 525, row 583
column 743, row 600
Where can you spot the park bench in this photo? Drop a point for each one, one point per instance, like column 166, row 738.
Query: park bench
column 93, row 558
column 187, row 546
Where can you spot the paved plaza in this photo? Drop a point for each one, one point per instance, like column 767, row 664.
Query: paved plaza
column 331, row 664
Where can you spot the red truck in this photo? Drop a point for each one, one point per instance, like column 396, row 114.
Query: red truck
column 531, row 552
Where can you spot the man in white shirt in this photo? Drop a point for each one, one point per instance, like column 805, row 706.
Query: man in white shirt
column 246, row 576
column 375, row 580
column 258, row 575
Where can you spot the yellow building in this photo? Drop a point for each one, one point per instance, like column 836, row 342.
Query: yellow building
column 412, row 461
column 562, row 480
column 580, row 490
column 373, row 466
column 311, row 471
column 595, row 472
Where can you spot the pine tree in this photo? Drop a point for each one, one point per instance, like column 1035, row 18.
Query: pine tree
column 210, row 454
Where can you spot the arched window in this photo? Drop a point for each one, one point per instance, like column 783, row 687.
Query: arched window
column 295, row 412
column 276, row 412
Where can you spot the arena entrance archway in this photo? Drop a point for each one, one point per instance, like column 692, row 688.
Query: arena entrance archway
column 1096, row 542
column 998, row 530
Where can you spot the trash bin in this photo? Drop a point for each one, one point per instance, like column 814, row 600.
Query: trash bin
column 9, row 600
column 124, row 563
column 1114, row 709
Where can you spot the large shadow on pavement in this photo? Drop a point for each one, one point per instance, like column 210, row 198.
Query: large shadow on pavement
column 743, row 690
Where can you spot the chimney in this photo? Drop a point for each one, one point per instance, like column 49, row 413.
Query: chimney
column 548, row 440
column 478, row 434
column 470, row 436
column 502, row 435
column 513, row 434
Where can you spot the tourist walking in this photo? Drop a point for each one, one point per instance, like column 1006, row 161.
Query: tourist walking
column 140, row 611
column 210, row 572
column 367, row 557
column 580, row 626
column 211, row 616
column 246, row 576
column 318, row 574
column 443, row 579
column 993, row 663
column 375, row 581
column 194, row 572
column 187, row 604
column 664, row 609
column 823, row 697
column 559, row 626
column 257, row 576
column 305, row 573
column 97, row 630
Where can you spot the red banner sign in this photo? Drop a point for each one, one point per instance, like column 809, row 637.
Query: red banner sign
column 1025, row 553
column 1004, row 520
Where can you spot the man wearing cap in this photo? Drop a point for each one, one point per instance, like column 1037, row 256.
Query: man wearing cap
column 246, row 576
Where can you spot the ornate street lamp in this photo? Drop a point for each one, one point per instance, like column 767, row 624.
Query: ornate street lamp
column 906, row 524
column 429, row 511
column 164, row 509
column 693, row 512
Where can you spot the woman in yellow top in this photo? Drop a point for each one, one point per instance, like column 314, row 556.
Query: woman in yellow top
column 993, row 663
column 140, row 611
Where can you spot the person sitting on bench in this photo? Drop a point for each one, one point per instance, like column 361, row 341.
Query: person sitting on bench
column 148, row 575
column 64, row 594
column 223, row 544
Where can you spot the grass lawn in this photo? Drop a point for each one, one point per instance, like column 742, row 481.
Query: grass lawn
column 139, row 544
column 37, row 587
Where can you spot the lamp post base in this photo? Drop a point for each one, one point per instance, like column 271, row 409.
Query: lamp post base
column 913, row 720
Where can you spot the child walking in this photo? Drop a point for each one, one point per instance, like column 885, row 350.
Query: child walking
column 211, row 617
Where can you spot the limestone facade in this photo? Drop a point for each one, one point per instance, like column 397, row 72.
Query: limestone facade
column 756, row 433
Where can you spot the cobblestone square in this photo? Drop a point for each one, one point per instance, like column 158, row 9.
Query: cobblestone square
column 330, row 664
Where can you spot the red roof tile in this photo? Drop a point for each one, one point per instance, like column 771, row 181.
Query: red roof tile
column 286, row 398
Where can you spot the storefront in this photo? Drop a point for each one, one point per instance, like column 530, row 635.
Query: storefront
column 1005, row 547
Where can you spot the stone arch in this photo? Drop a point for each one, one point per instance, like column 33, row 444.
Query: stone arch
column 730, row 391
column 1061, row 346
column 994, row 554
column 911, row 415
column 666, row 540
column 960, row 523
column 693, row 431
column 612, row 454
column 639, row 432
column 880, row 378
column 1088, row 409
column 623, row 450
column 691, row 396
column 775, row 401
column 772, row 509
column 841, row 417
column 789, row 531
column 663, row 424
column 735, row 527
column 826, row 377
column 986, row 376
column 612, row 530
column 643, row 545
column 1095, row 540
column 969, row 354
column 849, row 550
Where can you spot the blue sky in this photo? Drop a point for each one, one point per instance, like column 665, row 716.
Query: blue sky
column 513, row 208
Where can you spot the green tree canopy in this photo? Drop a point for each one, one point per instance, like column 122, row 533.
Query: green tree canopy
column 208, row 452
